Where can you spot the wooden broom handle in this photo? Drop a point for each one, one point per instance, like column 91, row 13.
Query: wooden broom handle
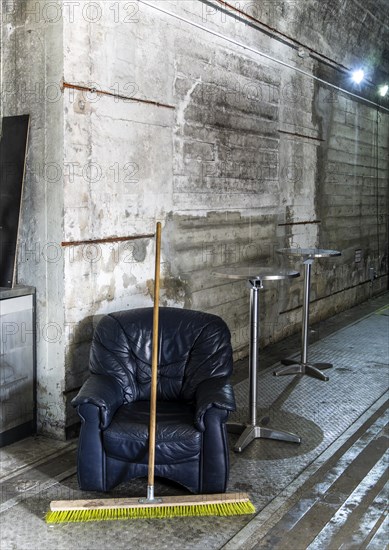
column 154, row 360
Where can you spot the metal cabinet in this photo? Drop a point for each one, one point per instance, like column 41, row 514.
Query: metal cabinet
column 17, row 364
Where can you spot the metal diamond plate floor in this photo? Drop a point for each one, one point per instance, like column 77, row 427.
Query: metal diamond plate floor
column 324, row 414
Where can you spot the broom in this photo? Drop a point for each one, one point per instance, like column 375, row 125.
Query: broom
column 222, row 504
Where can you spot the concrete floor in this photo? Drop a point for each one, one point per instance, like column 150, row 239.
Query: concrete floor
column 329, row 492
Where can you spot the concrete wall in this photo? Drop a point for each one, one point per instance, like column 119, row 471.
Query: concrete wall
column 32, row 68
column 237, row 153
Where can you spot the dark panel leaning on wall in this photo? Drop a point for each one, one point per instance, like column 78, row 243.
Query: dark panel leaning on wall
column 12, row 167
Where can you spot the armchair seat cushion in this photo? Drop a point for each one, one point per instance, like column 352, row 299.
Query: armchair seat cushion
column 177, row 440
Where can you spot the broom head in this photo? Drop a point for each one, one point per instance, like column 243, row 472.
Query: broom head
column 223, row 504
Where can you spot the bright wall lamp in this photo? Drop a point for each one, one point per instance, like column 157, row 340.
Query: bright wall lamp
column 358, row 76
column 383, row 90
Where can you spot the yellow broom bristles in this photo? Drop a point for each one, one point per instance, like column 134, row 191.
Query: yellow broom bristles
column 220, row 509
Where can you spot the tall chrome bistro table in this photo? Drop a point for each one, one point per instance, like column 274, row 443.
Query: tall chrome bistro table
column 255, row 278
column 292, row 366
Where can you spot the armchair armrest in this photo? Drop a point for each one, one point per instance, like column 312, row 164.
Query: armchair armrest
column 214, row 392
column 102, row 391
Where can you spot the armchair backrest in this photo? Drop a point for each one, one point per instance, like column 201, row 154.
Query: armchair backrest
column 193, row 347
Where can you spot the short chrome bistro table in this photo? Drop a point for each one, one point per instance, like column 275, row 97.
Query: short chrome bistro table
column 293, row 366
column 255, row 278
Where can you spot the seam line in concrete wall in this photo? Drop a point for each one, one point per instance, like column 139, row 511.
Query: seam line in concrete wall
column 334, row 294
column 286, row 39
column 263, row 54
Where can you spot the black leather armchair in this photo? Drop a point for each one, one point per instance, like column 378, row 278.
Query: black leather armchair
column 194, row 398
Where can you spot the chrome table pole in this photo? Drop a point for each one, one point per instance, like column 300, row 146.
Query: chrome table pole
column 253, row 346
column 306, row 299
column 254, row 277
column 251, row 431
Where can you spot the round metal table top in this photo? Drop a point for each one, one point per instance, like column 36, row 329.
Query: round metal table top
column 256, row 273
column 309, row 252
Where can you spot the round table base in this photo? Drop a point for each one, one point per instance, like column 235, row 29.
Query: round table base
column 298, row 367
column 249, row 432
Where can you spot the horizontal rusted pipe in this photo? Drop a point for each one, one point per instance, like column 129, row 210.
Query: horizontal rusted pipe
column 299, row 223
column 113, row 94
column 300, row 135
column 107, row 240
